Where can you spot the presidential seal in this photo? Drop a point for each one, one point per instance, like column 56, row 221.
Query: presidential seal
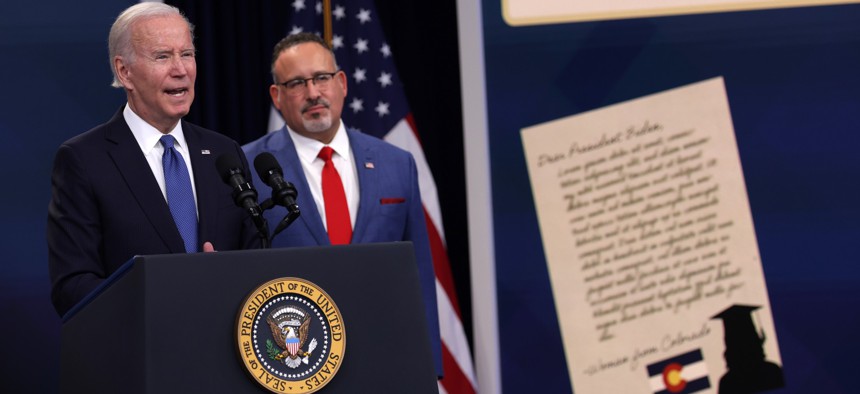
column 290, row 336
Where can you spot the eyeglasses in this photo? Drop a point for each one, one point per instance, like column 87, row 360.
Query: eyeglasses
column 296, row 86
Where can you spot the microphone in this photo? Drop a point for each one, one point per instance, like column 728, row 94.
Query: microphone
column 244, row 194
column 283, row 192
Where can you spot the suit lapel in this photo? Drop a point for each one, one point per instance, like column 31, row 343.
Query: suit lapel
column 293, row 172
column 203, row 166
column 138, row 176
column 368, row 185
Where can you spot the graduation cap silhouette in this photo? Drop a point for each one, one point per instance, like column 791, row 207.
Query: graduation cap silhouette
column 739, row 330
column 748, row 371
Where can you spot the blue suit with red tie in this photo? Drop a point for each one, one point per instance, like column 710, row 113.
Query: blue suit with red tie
column 389, row 209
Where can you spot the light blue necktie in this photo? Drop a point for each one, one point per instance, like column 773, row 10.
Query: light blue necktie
column 180, row 197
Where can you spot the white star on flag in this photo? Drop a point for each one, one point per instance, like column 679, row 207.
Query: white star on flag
column 363, row 16
column 356, row 105
column 359, row 75
column 382, row 109
column 339, row 12
column 296, row 30
column 360, row 45
column 384, row 79
column 386, row 50
column 318, row 8
column 299, row 5
column 336, row 41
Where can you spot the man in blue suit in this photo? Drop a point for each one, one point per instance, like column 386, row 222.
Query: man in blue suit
column 109, row 189
column 379, row 200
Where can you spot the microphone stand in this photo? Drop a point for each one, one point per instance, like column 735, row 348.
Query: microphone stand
column 263, row 232
column 244, row 192
column 293, row 213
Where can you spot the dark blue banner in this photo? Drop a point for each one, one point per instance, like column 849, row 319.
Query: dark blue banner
column 794, row 92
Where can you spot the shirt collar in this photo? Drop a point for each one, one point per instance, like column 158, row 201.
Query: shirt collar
column 148, row 137
column 309, row 148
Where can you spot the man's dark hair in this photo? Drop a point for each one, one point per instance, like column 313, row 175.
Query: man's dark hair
column 293, row 40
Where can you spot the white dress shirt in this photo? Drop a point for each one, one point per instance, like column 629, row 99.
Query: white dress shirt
column 344, row 162
column 149, row 139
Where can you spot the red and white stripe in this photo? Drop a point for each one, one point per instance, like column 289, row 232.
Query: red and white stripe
column 456, row 356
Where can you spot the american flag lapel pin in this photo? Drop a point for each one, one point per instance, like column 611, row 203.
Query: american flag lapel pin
column 368, row 165
column 205, row 151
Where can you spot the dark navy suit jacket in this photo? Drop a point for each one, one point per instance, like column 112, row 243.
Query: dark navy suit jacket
column 389, row 207
column 106, row 206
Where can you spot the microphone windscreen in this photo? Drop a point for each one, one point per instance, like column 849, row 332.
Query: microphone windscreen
column 264, row 163
column 227, row 165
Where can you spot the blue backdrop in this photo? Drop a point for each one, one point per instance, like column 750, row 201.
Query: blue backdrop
column 55, row 82
column 794, row 90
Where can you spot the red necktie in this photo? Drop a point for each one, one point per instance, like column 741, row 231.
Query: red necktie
column 336, row 210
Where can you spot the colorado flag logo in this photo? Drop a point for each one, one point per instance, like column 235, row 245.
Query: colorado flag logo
column 681, row 374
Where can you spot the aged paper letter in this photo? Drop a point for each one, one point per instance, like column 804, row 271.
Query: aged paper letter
column 648, row 237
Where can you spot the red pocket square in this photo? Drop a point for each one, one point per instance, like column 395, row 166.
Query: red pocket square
column 398, row 200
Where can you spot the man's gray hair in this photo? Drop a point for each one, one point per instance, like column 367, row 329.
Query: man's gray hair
column 119, row 40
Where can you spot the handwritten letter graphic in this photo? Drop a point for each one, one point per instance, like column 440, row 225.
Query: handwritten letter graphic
column 648, row 234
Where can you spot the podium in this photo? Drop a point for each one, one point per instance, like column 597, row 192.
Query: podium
column 167, row 323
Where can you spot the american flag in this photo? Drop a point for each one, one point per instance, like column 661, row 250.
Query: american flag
column 376, row 105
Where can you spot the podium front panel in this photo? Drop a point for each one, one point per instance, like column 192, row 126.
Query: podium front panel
column 169, row 324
